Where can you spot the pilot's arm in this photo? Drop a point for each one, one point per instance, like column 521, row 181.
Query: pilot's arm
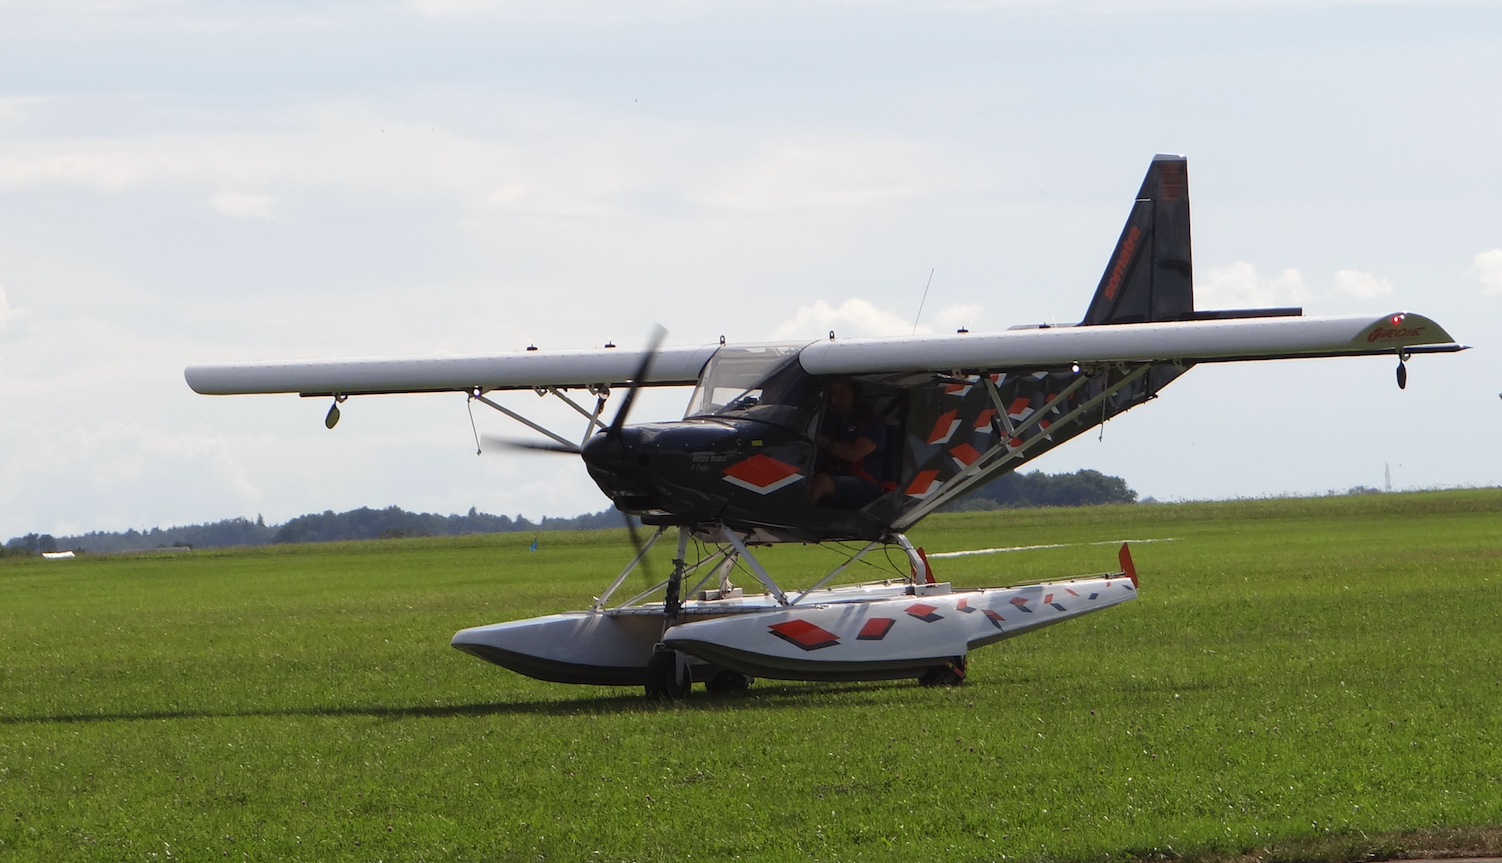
column 848, row 452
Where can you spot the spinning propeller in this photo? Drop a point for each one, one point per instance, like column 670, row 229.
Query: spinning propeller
column 613, row 432
column 653, row 344
column 530, row 445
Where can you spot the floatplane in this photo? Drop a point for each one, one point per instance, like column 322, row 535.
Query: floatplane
column 850, row 442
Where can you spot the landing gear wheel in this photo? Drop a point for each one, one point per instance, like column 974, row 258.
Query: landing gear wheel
column 727, row 681
column 667, row 678
column 951, row 673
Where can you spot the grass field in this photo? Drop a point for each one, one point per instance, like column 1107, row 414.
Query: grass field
column 1300, row 679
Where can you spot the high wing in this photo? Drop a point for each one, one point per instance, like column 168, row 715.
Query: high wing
column 1035, row 348
column 504, row 371
column 1186, row 342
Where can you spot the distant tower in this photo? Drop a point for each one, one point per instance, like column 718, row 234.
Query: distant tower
column 1387, row 472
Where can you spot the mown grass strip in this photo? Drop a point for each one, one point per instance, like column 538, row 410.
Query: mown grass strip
column 1301, row 680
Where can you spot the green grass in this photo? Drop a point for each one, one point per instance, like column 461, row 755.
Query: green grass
column 1300, row 680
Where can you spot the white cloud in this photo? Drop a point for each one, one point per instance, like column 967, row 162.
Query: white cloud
column 854, row 318
column 1359, row 284
column 242, row 206
column 860, row 319
column 6, row 312
column 1241, row 286
column 1488, row 268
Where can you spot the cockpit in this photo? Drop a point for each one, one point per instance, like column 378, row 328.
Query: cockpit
column 759, row 382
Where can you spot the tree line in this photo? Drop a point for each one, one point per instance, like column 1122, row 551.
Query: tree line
column 328, row 526
column 1037, row 489
column 1012, row 490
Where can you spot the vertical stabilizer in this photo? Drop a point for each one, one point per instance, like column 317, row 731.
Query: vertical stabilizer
column 1150, row 276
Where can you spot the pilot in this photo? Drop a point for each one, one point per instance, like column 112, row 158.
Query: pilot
column 852, row 440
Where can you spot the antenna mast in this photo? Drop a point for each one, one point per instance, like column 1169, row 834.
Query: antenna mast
column 922, row 301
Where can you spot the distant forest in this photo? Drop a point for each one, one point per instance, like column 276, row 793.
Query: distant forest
column 1020, row 490
column 1012, row 490
column 329, row 526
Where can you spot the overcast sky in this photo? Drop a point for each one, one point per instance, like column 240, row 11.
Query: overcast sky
column 185, row 182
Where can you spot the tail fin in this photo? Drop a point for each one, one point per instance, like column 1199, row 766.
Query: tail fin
column 1150, row 277
column 1128, row 568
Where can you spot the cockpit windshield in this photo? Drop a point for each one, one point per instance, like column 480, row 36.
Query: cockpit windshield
column 761, row 382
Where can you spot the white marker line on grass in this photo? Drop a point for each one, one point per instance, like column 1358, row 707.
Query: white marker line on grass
column 1055, row 545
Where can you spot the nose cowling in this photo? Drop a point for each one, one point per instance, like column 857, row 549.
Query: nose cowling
column 617, row 462
column 666, row 470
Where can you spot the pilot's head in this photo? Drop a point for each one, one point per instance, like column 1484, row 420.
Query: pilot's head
column 843, row 394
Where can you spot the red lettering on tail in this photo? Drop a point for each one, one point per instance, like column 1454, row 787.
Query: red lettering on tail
column 1118, row 272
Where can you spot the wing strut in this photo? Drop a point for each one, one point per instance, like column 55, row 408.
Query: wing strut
column 600, row 391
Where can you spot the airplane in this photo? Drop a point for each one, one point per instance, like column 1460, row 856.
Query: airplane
column 843, row 442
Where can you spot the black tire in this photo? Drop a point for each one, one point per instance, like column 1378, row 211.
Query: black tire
column 727, row 681
column 663, row 678
column 951, row 673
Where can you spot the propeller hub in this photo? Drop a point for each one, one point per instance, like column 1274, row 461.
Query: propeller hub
column 618, row 462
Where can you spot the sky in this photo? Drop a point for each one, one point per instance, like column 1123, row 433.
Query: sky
column 187, row 182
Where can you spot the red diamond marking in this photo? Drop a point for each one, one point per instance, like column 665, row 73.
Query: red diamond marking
column 875, row 629
column 995, row 618
column 804, row 634
column 983, row 420
column 944, row 427
column 959, row 389
column 762, row 474
column 923, row 483
column 965, row 454
column 923, row 612
column 964, row 605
